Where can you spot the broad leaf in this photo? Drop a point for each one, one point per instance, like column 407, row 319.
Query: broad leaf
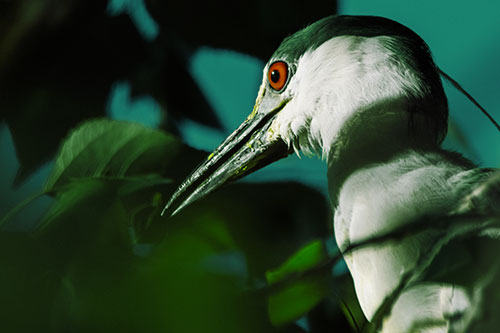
column 131, row 194
column 306, row 258
column 297, row 298
column 112, row 148
column 75, row 199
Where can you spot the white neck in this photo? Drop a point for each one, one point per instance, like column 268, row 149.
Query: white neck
column 379, row 178
column 373, row 136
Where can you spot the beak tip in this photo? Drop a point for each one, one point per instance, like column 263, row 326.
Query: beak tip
column 176, row 211
column 169, row 210
column 164, row 210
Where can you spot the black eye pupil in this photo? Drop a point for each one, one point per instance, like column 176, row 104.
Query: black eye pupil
column 275, row 76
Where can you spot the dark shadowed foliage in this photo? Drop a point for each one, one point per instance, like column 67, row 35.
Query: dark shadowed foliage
column 101, row 258
column 60, row 58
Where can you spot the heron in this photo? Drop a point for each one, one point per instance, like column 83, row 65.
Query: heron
column 364, row 94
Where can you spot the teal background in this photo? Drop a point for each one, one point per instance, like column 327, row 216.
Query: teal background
column 464, row 39
column 463, row 36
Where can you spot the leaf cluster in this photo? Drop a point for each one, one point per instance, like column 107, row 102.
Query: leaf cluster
column 102, row 257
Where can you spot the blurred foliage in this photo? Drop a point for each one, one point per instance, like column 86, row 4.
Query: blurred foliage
column 102, row 258
column 249, row 258
column 309, row 256
column 294, row 299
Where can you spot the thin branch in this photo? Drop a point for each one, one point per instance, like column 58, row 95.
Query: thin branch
column 469, row 96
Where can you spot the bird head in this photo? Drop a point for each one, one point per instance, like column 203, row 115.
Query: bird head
column 339, row 76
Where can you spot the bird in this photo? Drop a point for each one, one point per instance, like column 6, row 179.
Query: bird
column 365, row 95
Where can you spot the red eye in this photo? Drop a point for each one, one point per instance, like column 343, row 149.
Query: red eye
column 277, row 75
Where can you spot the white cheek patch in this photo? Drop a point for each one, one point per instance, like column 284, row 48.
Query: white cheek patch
column 281, row 126
column 335, row 82
column 297, row 124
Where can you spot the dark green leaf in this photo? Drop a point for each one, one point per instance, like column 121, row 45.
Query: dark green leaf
column 303, row 260
column 112, row 148
column 297, row 298
column 27, row 283
column 103, row 194
column 76, row 197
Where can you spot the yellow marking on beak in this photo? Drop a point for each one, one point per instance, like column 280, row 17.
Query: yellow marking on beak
column 210, row 156
column 260, row 95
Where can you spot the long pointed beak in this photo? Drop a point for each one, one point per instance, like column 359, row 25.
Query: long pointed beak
column 247, row 149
